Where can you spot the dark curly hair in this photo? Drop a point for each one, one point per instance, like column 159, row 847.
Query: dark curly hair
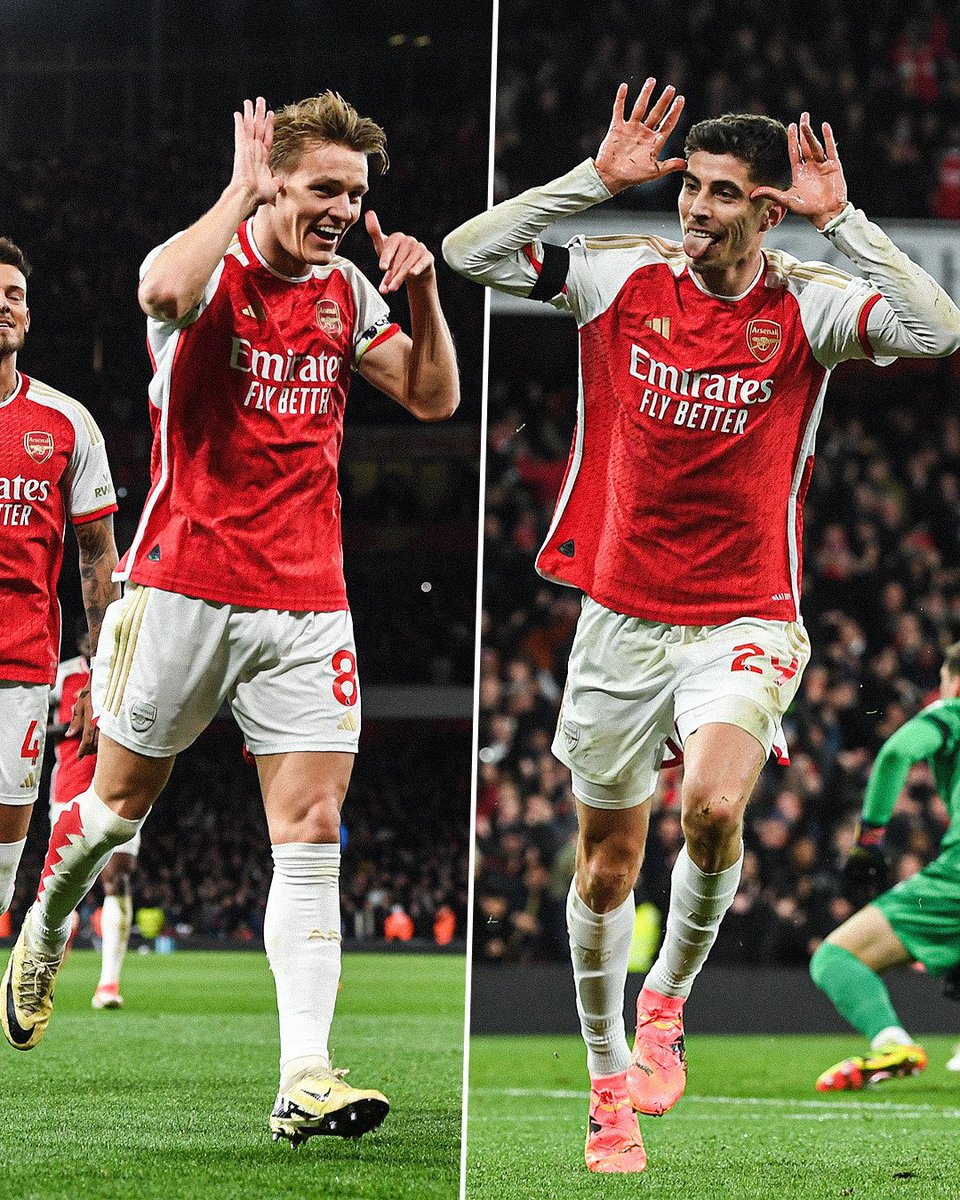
column 760, row 142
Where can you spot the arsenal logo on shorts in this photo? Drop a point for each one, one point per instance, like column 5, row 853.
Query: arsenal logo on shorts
column 763, row 339
column 328, row 317
column 38, row 444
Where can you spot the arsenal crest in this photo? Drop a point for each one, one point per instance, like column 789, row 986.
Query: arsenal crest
column 39, row 445
column 328, row 317
column 763, row 339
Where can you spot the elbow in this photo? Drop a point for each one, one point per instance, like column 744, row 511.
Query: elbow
column 459, row 254
column 452, row 251
column 160, row 301
column 438, row 407
column 947, row 327
column 951, row 343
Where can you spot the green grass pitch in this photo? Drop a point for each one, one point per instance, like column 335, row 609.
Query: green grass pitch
column 169, row 1098
column 750, row 1127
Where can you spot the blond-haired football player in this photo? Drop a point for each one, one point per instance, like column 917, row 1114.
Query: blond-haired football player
column 703, row 367
column 234, row 581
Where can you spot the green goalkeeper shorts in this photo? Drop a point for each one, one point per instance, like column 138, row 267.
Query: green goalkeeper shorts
column 924, row 913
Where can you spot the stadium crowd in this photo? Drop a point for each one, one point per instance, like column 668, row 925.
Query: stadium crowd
column 889, row 85
column 881, row 601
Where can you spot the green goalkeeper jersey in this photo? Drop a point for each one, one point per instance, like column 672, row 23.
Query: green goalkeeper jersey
column 934, row 735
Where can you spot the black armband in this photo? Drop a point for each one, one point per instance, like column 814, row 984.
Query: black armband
column 553, row 273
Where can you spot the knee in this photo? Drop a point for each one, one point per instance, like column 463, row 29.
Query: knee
column 817, row 964
column 316, row 819
column 607, row 872
column 825, row 959
column 711, row 816
column 131, row 787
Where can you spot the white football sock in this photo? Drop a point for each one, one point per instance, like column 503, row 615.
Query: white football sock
column 599, row 950
column 116, row 921
column 82, row 840
column 301, row 929
column 893, row 1035
column 10, row 854
column 698, row 902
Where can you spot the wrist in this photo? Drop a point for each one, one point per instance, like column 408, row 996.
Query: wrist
column 240, row 196
column 610, row 182
column 828, row 221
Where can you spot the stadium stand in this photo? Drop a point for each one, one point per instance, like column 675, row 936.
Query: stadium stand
column 890, row 87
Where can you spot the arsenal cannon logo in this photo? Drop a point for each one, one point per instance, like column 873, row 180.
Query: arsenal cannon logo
column 763, row 339
column 328, row 317
column 38, row 444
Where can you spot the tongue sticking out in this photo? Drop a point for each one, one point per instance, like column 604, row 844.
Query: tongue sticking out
column 695, row 245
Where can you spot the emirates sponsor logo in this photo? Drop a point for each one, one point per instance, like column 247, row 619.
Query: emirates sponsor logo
column 288, row 367
column 38, row 444
column 328, row 317
column 700, row 385
column 21, row 489
column 763, row 339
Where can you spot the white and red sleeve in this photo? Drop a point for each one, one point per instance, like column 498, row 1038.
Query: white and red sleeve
column 501, row 248
column 913, row 316
column 88, row 486
column 600, row 266
column 374, row 325
column 835, row 312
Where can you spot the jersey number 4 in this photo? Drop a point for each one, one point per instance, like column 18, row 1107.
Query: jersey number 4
column 31, row 744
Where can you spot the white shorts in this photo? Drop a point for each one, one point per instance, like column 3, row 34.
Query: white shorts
column 632, row 684
column 24, row 709
column 132, row 847
column 166, row 663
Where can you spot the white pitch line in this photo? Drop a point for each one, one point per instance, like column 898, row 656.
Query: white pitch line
column 875, row 1106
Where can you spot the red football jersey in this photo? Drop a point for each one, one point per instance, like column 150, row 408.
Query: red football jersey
column 247, row 404
column 53, row 464
column 71, row 775
column 682, row 501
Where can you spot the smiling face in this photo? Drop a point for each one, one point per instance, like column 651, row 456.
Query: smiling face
column 318, row 201
column 14, row 314
column 722, row 227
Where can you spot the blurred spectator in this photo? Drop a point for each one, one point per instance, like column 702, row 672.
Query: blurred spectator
column 890, row 88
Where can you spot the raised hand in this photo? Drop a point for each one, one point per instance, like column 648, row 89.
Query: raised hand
column 252, row 140
column 629, row 154
column 401, row 256
column 818, row 190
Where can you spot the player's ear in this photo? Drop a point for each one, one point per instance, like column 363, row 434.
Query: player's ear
column 26, row 320
column 774, row 215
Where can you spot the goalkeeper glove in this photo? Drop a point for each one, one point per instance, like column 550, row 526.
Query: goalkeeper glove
column 866, row 872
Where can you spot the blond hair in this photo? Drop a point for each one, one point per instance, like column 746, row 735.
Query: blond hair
column 325, row 118
column 951, row 659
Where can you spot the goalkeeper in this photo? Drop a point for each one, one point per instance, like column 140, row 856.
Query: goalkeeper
column 918, row 920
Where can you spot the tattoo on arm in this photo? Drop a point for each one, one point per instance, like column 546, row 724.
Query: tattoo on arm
column 98, row 558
